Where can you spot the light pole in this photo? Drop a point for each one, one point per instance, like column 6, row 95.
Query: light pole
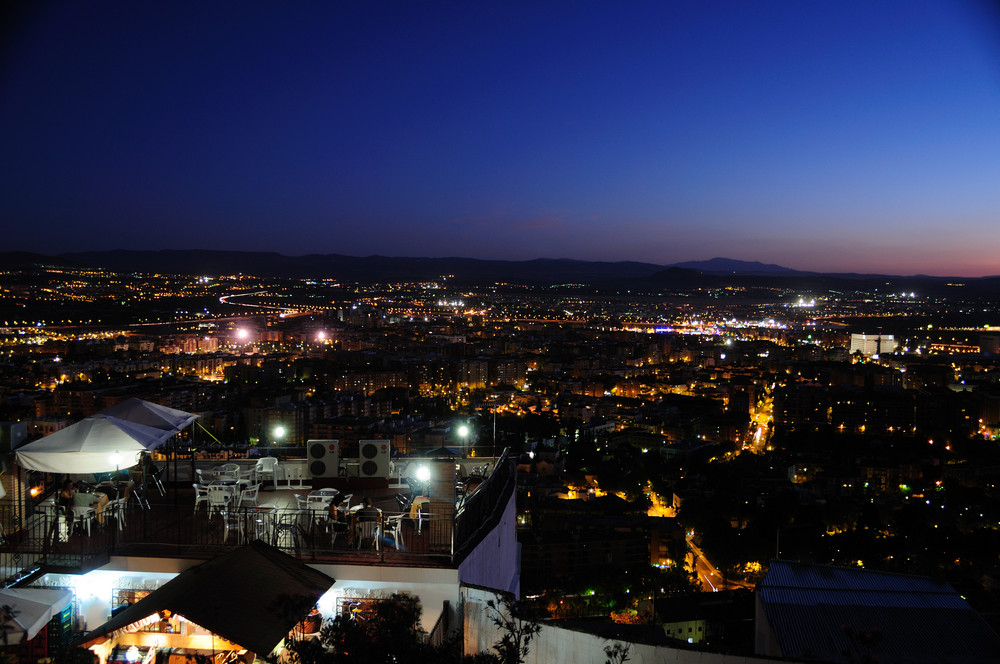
column 424, row 477
column 493, row 449
column 279, row 433
column 463, row 432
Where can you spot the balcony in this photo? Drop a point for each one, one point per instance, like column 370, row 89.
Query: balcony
column 441, row 535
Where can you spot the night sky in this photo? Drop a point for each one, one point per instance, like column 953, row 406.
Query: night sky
column 841, row 135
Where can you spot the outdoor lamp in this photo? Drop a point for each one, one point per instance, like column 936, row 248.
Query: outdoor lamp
column 463, row 432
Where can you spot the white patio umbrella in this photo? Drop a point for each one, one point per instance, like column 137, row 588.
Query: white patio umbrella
column 25, row 611
column 104, row 442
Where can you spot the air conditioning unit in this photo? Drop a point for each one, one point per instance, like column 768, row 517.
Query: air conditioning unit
column 373, row 458
column 323, row 458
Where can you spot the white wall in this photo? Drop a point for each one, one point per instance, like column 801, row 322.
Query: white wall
column 433, row 586
column 495, row 562
column 94, row 590
column 555, row 645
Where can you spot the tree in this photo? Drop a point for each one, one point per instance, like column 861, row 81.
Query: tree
column 7, row 615
column 617, row 653
column 517, row 631
column 387, row 631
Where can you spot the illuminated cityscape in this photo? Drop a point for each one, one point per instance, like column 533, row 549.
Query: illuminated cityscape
column 706, row 429
column 500, row 333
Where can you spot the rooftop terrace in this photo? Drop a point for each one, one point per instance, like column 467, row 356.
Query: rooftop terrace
column 439, row 531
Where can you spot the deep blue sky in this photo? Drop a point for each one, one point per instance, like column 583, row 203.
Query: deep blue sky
column 835, row 135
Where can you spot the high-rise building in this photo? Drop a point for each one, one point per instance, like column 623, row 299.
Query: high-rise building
column 872, row 344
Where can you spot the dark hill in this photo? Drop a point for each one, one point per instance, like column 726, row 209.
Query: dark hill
column 365, row 269
column 720, row 265
column 631, row 276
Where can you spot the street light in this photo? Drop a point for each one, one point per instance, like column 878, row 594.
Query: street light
column 279, row 433
column 463, row 433
column 424, row 477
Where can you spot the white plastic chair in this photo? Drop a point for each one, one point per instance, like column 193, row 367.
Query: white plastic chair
column 318, row 503
column 232, row 520
column 367, row 534
column 248, row 496
column 247, row 477
column 394, row 529
column 154, row 477
column 82, row 516
column 267, row 467
column 286, row 530
column 336, row 529
column 219, row 498
column 419, row 512
column 200, row 496
column 116, row 510
column 228, row 471
column 318, row 509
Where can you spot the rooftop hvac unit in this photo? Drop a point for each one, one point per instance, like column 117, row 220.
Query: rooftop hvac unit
column 373, row 458
column 323, row 458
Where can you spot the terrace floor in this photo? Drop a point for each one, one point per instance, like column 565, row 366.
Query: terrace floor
column 171, row 527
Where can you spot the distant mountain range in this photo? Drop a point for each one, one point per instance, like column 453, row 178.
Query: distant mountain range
column 730, row 266
column 626, row 275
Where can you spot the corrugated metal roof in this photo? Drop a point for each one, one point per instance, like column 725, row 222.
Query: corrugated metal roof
column 783, row 573
column 839, row 614
column 893, row 636
column 850, row 597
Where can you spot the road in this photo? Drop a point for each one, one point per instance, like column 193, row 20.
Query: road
column 710, row 577
column 708, row 574
column 757, row 441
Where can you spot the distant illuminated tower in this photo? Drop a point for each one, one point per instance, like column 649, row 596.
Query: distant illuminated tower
column 872, row 344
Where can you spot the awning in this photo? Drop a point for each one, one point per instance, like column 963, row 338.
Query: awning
column 25, row 611
column 150, row 414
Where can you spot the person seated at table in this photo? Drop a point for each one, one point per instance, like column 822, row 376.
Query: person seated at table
column 418, row 506
column 66, row 495
column 334, row 512
column 368, row 514
column 337, row 515
column 367, row 511
column 115, row 489
column 76, row 498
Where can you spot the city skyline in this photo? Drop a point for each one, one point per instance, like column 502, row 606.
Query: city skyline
column 838, row 138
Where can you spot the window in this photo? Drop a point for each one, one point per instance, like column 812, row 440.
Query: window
column 126, row 596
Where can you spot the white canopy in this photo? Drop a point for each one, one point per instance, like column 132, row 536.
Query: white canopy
column 25, row 611
column 110, row 440
column 150, row 414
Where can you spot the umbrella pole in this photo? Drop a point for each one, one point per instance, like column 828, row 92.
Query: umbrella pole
column 173, row 477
